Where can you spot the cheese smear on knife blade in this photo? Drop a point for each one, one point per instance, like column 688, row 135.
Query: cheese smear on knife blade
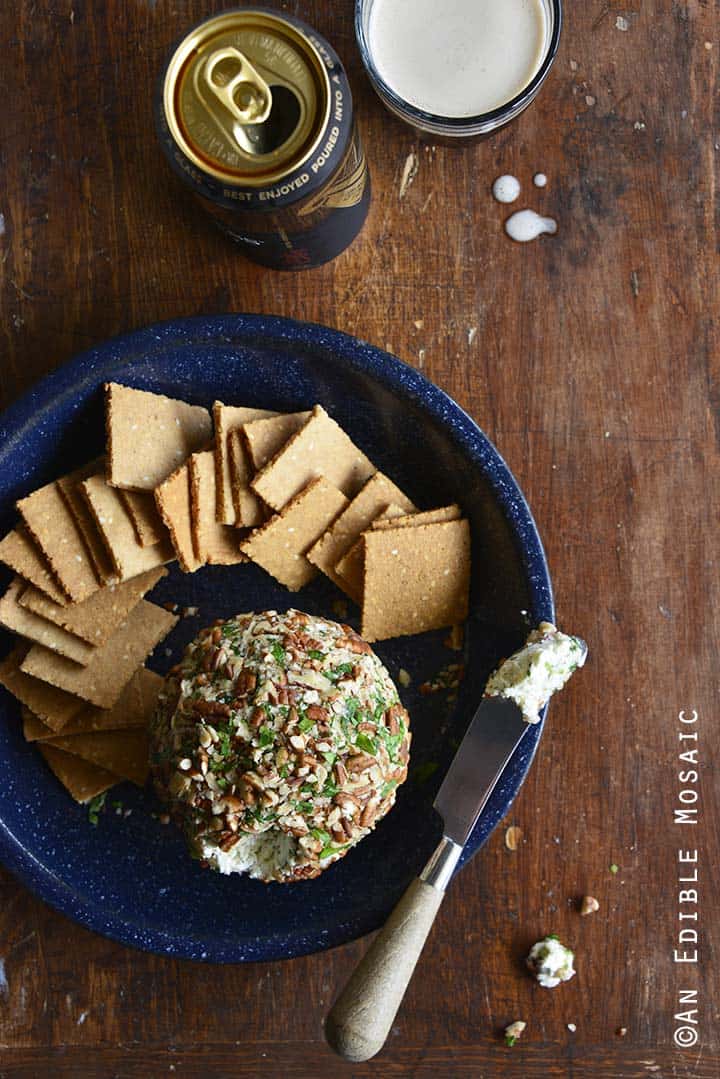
column 539, row 669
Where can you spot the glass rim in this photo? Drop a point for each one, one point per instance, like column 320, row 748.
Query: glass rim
column 458, row 124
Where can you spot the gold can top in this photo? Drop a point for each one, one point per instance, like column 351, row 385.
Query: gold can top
column 246, row 96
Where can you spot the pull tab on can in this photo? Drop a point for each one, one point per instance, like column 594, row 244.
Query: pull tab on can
column 238, row 86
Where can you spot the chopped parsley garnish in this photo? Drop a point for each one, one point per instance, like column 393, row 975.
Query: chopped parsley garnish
column 329, row 758
column 338, row 672
column 284, row 771
column 95, row 807
column 305, row 807
column 614, row 869
column 330, row 790
column 352, row 710
column 278, row 653
column 315, row 653
column 368, row 744
column 328, row 850
column 510, row 1040
column 305, row 724
column 324, row 837
column 267, row 736
column 388, row 787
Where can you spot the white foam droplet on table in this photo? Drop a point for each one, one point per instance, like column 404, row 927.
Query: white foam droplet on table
column 526, row 225
column 506, row 188
column 540, row 179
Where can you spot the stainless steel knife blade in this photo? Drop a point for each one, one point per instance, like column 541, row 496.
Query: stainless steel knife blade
column 497, row 728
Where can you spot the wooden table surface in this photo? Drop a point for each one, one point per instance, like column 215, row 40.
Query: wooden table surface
column 590, row 358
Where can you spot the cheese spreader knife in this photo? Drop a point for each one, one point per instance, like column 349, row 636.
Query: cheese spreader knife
column 363, row 1014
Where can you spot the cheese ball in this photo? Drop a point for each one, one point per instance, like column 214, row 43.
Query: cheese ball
column 278, row 743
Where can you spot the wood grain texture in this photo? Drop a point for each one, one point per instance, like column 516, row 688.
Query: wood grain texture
column 593, row 365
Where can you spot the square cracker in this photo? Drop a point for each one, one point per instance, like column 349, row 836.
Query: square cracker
column 83, row 780
column 53, row 706
column 215, row 544
column 97, row 618
column 144, row 515
column 53, row 527
column 351, row 567
column 19, row 551
column 34, row 628
column 376, row 496
column 320, row 448
column 265, row 437
column 251, row 447
column 113, row 664
column 123, row 753
column 117, row 529
column 133, row 709
column 280, row 545
column 173, row 502
column 416, row 579
column 229, row 418
column 250, row 510
column 427, row 517
column 149, row 435
column 99, row 556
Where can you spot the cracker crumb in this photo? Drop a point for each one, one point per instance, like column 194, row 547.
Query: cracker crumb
column 409, row 173
column 513, row 837
column 589, row 100
column 189, row 612
column 455, row 638
column 472, row 333
column 571, row 1027
column 419, row 323
column 589, row 905
column 621, row 23
column 404, row 677
column 621, row 1032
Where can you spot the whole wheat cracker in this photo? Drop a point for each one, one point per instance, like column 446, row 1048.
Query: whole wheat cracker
column 53, row 706
column 114, row 662
column 34, row 628
column 172, row 498
column 133, row 709
column 250, row 511
column 279, row 546
column 374, row 499
column 426, row 517
column 97, row 618
column 124, row 753
column 54, row 529
column 320, row 448
column 19, row 551
column 116, row 527
column 215, row 544
column 149, row 435
column 99, row 556
column 83, row 780
column 144, row 515
column 251, row 447
column 416, row 579
column 265, row 437
column 229, row 418
column 350, row 567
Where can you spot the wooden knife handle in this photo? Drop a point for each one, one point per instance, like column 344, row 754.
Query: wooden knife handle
column 363, row 1014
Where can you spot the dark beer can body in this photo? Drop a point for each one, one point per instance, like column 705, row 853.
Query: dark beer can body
column 255, row 115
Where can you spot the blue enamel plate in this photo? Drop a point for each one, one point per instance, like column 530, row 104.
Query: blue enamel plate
column 129, row 877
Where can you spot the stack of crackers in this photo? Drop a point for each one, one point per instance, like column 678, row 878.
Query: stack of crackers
column 290, row 492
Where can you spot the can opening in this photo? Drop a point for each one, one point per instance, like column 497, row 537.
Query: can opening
column 276, row 130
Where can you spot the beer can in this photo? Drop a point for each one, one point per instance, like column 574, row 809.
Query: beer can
column 255, row 115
